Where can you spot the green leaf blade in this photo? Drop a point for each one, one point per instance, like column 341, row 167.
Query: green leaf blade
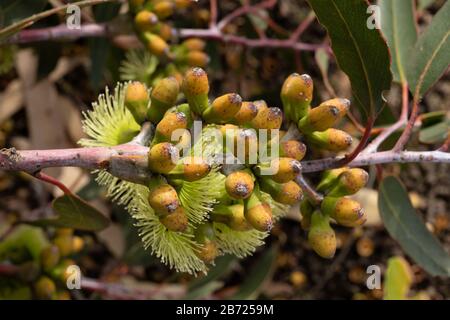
column 361, row 53
column 399, row 27
column 74, row 212
column 430, row 55
column 405, row 226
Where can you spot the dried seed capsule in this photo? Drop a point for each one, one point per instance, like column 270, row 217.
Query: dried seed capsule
column 163, row 9
column 163, row 198
column 325, row 116
column 162, row 157
column 306, row 210
column 136, row 100
column 296, row 95
column 163, row 96
column 194, row 44
column 169, row 123
column 246, row 113
column 345, row 211
column 196, row 87
column 50, row 257
column 155, row 44
column 331, row 139
column 288, row 169
column 44, row 288
column 268, row 118
column 232, row 216
column 197, row 59
column 190, row 169
column 145, row 20
column 292, row 149
column 258, row 213
column 223, row 108
column 286, row 193
column 321, row 236
column 349, row 182
column 239, row 185
column 204, row 234
column 329, row 178
column 176, row 221
column 64, row 244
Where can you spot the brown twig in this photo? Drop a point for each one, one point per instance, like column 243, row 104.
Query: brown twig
column 303, row 26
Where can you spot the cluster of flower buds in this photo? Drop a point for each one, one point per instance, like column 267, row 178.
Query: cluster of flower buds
column 150, row 23
column 243, row 205
column 44, row 269
column 336, row 185
column 315, row 123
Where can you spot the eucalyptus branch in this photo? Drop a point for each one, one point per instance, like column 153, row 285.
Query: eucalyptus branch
column 15, row 27
column 311, row 194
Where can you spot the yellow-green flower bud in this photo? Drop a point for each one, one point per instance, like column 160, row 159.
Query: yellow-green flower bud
column 246, row 113
column 164, row 30
column 239, row 185
column 176, row 221
column 64, row 244
column 163, row 157
column 196, row 87
column 194, row 44
column 196, row 59
column 155, row 44
column 163, row 9
column 232, row 216
column 190, row 169
column 268, row 118
column 292, row 149
column 321, row 236
column 163, row 198
column 204, row 234
column 349, row 182
column 325, row 116
column 257, row 213
column 182, row 4
column 329, row 178
column 50, row 257
column 345, row 211
column 44, row 288
column 169, row 123
column 77, row 244
column 163, row 96
column 331, row 139
column 145, row 20
column 286, row 193
column 296, row 95
column 136, row 100
column 223, row 108
column 288, row 169
column 246, row 146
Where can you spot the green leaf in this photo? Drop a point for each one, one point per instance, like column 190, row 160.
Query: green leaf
column 423, row 4
column 405, row 226
column 430, row 56
column 361, row 52
column 399, row 27
column 74, row 212
column 257, row 277
column 435, row 134
column 398, row 279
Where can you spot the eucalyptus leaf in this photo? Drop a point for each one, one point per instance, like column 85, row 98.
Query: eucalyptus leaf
column 405, row 226
column 73, row 212
column 361, row 52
